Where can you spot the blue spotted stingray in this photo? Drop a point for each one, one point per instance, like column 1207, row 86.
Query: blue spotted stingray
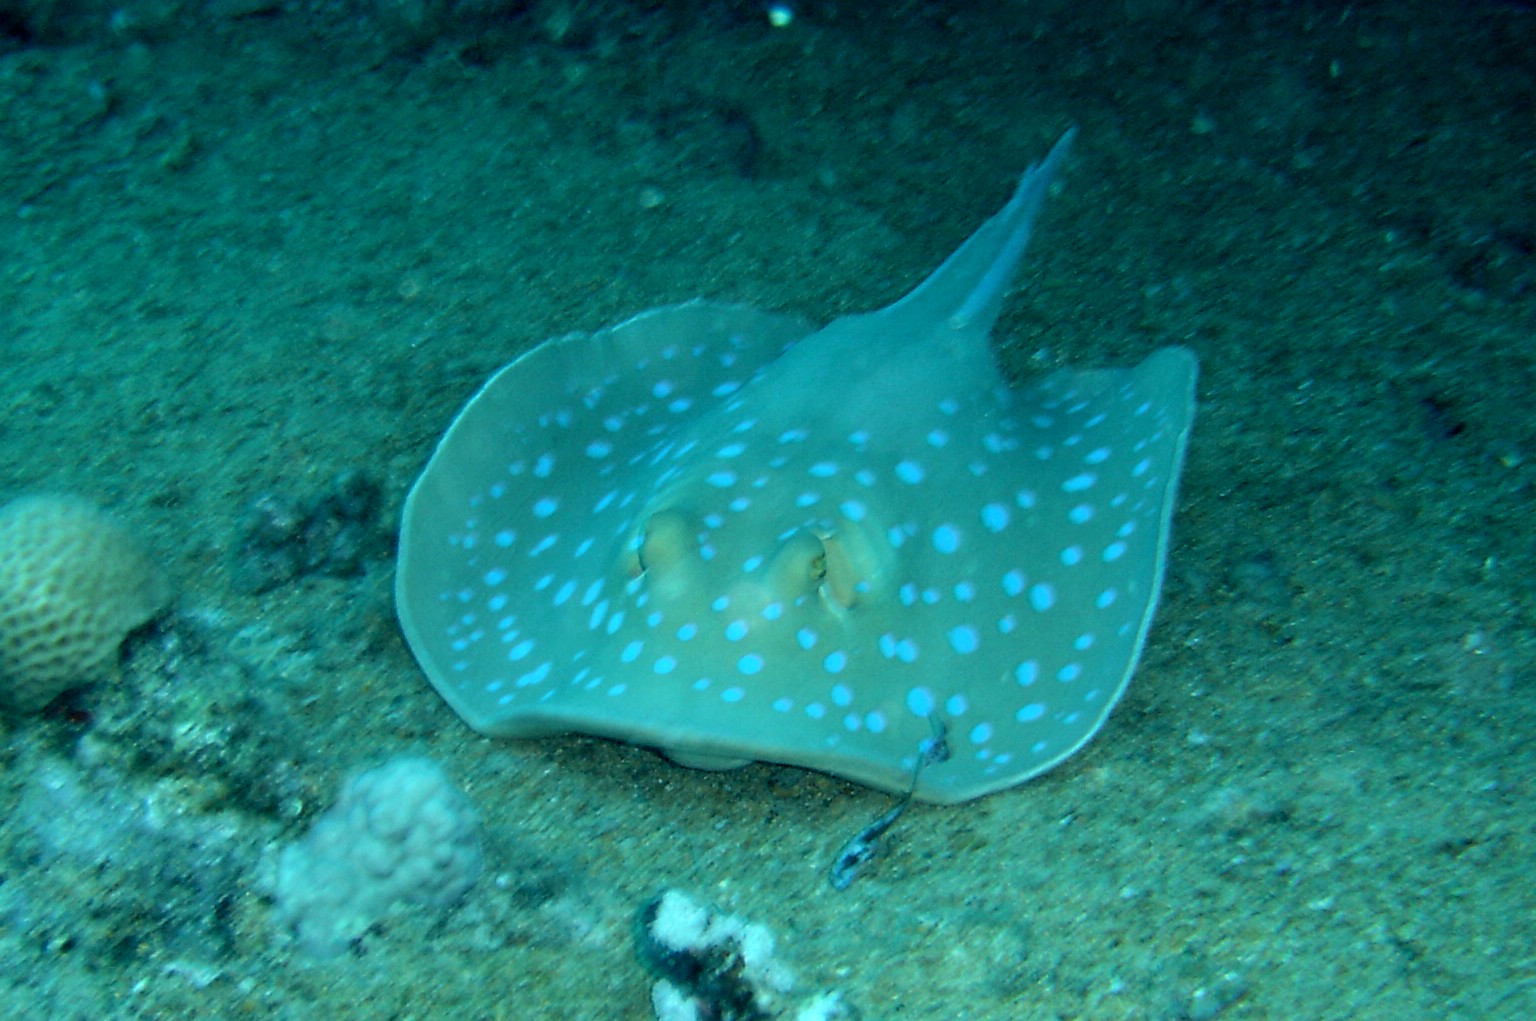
column 733, row 537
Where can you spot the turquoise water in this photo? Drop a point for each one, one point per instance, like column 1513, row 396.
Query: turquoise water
column 249, row 249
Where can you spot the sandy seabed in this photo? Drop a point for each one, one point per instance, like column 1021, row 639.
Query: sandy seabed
column 251, row 248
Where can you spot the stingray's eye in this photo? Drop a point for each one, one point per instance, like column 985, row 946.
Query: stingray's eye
column 668, row 538
column 630, row 560
column 798, row 567
column 810, row 564
column 842, row 584
column 859, row 566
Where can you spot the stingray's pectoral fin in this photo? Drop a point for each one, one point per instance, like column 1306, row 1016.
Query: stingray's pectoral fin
column 699, row 760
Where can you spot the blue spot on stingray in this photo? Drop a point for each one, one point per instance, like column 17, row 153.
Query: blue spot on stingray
column 964, row 639
column 1013, row 582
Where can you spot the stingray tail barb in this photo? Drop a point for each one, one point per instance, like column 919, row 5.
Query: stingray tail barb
column 967, row 290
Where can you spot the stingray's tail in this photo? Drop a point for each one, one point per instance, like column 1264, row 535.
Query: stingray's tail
column 967, row 289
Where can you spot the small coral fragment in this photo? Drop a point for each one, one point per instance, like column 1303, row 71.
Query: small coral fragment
column 400, row 833
column 712, row 966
